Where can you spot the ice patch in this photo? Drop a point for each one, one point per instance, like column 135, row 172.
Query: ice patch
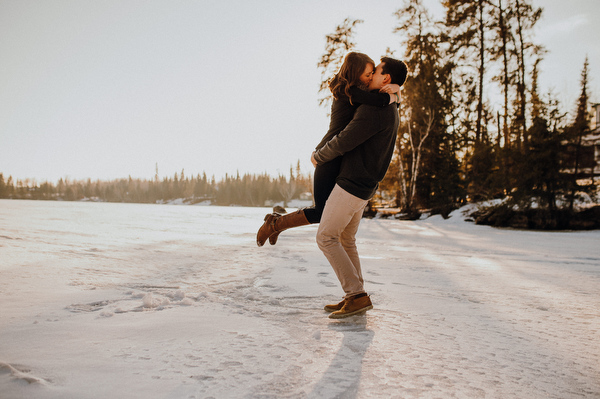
column 87, row 307
column 465, row 310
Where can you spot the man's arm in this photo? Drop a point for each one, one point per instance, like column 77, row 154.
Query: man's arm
column 366, row 123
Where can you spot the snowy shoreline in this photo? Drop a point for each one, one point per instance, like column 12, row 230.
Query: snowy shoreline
column 126, row 300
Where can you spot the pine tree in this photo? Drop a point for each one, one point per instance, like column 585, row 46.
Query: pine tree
column 427, row 160
column 466, row 20
column 3, row 189
column 337, row 45
column 526, row 17
column 469, row 26
column 576, row 133
column 541, row 181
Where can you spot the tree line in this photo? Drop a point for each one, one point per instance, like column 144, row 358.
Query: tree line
column 473, row 123
column 246, row 190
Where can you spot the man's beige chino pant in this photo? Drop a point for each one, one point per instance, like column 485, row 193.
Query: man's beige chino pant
column 336, row 237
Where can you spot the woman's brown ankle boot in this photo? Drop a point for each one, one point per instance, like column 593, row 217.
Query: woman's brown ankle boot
column 275, row 224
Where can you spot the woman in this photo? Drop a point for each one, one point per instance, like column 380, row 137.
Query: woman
column 348, row 89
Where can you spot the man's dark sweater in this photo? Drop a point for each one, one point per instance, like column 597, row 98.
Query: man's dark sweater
column 367, row 145
column 342, row 110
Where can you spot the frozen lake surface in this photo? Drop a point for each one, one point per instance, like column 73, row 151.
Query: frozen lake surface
column 103, row 300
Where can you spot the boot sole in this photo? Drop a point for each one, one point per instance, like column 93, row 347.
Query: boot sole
column 344, row 315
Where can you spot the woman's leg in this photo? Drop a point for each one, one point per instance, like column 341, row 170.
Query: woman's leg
column 323, row 183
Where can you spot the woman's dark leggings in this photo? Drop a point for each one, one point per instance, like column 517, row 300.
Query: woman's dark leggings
column 323, row 183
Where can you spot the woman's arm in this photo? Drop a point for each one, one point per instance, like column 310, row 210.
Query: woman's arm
column 359, row 96
column 393, row 90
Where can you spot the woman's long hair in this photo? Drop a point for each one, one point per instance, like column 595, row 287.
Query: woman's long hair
column 349, row 74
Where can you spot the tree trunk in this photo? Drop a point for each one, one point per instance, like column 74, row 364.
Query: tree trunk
column 521, row 85
column 417, row 156
column 481, row 72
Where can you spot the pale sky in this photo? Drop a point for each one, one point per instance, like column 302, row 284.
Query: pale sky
column 107, row 89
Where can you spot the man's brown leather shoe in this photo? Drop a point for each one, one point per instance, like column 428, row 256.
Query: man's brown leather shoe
column 354, row 305
column 335, row 307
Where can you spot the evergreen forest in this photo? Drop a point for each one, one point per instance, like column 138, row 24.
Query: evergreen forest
column 246, row 190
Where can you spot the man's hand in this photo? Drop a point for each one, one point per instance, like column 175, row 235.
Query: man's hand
column 312, row 159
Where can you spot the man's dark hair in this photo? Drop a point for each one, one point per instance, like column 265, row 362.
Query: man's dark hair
column 396, row 69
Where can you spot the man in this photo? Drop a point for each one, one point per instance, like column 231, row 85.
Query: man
column 367, row 145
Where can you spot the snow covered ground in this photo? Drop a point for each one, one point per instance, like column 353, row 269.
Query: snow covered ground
column 103, row 300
